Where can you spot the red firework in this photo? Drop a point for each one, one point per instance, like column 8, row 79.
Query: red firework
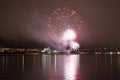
column 61, row 19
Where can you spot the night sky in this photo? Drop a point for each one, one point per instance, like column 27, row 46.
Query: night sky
column 23, row 23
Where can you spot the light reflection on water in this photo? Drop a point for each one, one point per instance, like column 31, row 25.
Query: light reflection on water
column 71, row 65
column 118, row 62
column 60, row 67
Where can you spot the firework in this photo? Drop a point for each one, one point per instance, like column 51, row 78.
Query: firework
column 63, row 26
column 63, row 18
column 74, row 45
column 69, row 35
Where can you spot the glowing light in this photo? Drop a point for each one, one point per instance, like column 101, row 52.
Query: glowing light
column 69, row 35
column 118, row 52
column 61, row 19
column 70, row 67
column 63, row 26
column 74, row 45
column 111, row 53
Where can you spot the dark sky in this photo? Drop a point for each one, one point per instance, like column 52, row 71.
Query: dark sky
column 23, row 22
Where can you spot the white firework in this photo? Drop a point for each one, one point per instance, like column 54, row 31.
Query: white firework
column 74, row 45
column 69, row 34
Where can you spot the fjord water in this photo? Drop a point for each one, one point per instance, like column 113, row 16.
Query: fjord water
column 60, row 67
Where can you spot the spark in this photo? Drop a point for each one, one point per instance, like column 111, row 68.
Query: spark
column 69, row 34
column 69, row 37
column 63, row 26
column 74, row 45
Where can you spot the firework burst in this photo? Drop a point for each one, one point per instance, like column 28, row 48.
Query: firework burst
column 64, row 25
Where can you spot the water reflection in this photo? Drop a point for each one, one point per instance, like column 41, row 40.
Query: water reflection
column 70, row 67
column 4, row 62
column 23, row 61
column 46, row 61
column 118, row 62
column 60, row 67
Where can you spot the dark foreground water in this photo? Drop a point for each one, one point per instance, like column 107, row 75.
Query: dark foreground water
column 60, row 67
